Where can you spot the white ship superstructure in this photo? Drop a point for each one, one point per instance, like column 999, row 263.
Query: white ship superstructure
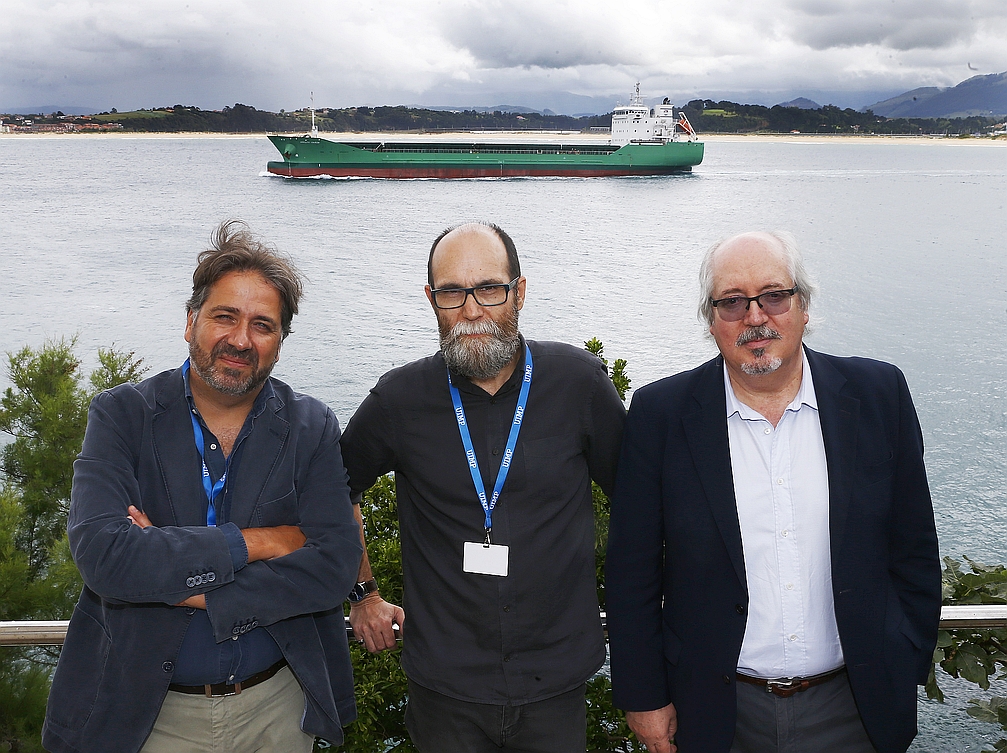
column 636, row 123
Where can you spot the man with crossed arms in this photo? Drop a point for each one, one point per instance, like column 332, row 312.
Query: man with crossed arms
column 211, row 523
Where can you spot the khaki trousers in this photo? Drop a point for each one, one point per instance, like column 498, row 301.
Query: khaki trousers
column 265, row 718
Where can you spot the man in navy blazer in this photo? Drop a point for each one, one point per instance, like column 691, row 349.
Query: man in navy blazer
column 211, row 522
column 773, row 573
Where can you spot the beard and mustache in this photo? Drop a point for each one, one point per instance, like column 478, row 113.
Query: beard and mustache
column 222, row 379
column 760, row 367
column 480, row 358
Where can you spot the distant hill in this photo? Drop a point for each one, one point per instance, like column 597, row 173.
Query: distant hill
column 980, row 95
column 802, row 103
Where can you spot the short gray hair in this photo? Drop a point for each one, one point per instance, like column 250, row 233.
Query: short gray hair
column 806, row 286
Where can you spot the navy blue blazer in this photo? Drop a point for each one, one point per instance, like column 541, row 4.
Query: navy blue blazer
column 676, row 589
column 124, row 635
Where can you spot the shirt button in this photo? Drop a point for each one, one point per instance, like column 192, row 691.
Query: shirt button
column 496, row 450
column 790, row 586
column 213, row 447
column 726, row 679
column 507, row 658
column 167, row 666
column 793, row 637
column 231, row 678
column 234, row 637
column 784, row 533
column 507, row 608
column 779, row 481
column 768, row 430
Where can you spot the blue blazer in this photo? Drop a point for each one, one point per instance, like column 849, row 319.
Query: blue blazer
column 676, row 588
column 124, row 635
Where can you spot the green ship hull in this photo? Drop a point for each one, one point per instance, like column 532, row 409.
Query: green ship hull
column 311, row 156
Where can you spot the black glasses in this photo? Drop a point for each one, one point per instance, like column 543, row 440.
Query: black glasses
column 734, row 307
column 485, row 295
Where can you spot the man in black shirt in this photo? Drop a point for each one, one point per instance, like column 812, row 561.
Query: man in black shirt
column 494, row 441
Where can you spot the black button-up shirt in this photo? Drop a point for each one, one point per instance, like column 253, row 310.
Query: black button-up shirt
column 201, row 660
column 536, row 632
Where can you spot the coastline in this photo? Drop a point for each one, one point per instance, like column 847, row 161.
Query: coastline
column 547, row 136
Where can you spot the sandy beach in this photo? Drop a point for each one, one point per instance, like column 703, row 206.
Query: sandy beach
column 544, row 136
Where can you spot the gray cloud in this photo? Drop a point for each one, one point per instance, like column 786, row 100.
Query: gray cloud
column 896, row 24
column 550, row 36
column 125, row 54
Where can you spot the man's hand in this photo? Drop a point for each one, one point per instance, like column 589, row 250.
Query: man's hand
column 197, row 602
column 270, row 543
column 262, row 543
column 372, row 620
column 656, row 728
column 138, row 518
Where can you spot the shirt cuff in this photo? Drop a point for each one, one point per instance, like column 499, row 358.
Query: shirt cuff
column 235, row 545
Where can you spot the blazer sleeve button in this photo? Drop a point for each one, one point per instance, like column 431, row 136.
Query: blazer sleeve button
column 190, row 582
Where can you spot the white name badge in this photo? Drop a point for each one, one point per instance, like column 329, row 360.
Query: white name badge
column 483, row 559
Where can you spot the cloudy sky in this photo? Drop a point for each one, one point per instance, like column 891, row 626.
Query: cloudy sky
column 569, row 56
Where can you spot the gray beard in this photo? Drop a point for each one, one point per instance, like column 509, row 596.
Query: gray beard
column 761, row 368
column 480, row 359
column 224, row 380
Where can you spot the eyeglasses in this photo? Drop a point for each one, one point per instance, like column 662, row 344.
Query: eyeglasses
column 734, row 307
column 485, row 295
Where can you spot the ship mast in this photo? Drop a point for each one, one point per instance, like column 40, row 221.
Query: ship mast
column 314, row 128
column 636, row 100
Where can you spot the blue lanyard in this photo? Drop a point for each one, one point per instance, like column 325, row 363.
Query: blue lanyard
column 470, row 453
column 211, row 489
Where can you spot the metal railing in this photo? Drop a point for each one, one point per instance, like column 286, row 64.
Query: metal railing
column 53, row 633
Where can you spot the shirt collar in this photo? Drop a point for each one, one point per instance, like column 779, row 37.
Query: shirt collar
column 257, row 407
column 805, row 395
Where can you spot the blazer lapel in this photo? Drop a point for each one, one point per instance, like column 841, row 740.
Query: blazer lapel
column 706, row 432
column 839, row 416
column 177, row 457
column 259, row 455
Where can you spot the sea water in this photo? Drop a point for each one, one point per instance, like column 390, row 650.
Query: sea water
column 98, row 239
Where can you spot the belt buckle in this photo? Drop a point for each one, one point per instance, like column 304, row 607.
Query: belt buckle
column 786, row 687
column 786, row 683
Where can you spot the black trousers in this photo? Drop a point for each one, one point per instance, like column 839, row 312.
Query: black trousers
column 440, row 724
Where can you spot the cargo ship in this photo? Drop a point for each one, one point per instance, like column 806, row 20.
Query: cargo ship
column 643, row 141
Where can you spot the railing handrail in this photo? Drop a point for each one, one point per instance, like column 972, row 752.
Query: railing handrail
column 53, row 632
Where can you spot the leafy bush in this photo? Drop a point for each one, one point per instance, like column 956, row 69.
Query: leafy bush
column 46, row 412
column 973, row 653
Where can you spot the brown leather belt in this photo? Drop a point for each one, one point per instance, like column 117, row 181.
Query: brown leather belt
column 787, row 686
column 223, row 689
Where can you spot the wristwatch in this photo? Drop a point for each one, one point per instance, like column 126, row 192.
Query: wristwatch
column 362, row 589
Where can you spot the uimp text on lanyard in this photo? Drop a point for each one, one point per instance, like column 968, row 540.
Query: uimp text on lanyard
column 487, row 558
column 212, row 489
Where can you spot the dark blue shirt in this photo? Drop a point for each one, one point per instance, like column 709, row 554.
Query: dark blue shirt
column 201, row 660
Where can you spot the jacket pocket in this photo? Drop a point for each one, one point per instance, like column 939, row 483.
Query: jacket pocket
column 672, row 645
column 278, row 512
column 876, row 471
column 79, row 672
